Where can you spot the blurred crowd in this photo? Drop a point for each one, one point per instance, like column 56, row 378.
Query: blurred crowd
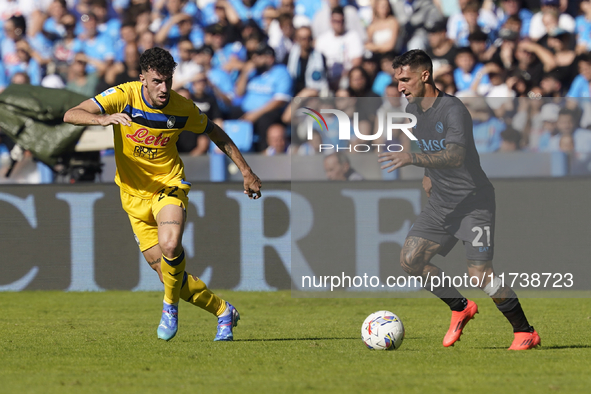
column 242, row 61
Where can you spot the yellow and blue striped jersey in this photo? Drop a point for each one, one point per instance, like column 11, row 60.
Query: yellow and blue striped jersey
column 145, row 152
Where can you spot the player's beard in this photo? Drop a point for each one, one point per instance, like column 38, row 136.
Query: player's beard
column 157, row 101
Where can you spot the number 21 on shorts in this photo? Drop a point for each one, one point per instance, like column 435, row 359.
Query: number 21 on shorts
column 478, row 241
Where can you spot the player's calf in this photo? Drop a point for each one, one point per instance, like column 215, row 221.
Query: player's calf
column 508, row 304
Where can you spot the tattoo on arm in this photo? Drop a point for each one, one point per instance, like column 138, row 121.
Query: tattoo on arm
column 153, row 263
column 170, row 222
column 225, row 147
column 451, row 157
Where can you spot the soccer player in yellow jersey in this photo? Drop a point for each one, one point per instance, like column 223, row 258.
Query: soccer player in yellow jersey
column 147, row 118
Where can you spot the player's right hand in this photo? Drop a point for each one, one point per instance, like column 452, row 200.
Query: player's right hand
column 118, row 118
column 252, row 185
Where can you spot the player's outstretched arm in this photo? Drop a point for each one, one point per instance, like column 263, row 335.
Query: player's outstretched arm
column 252, row 183
column 88, row 113
column 451, row 157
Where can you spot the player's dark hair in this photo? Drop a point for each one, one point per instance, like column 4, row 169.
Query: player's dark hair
column 159, row 60
column 414, row 59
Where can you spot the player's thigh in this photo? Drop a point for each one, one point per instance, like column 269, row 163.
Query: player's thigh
column 169, row 209
column 477, row 230
column 428, row 231
column 142, row 221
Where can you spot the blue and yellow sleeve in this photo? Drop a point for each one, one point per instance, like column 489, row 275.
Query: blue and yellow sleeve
column 112, row 100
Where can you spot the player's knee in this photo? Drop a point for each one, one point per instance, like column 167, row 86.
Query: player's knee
column 171, row 247
column 411, row 263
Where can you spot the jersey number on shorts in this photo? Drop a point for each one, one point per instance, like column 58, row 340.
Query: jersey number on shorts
column 480, row 232
column 170, row 194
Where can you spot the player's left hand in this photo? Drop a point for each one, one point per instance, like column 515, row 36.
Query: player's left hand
column 396, row 159
column 252, row 185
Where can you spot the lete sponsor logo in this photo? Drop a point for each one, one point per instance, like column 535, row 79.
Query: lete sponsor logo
column 143, row 136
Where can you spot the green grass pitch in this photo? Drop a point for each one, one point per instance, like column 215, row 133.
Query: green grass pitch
column 55, row 342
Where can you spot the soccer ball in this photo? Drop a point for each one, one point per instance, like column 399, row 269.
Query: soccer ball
column 382, row 330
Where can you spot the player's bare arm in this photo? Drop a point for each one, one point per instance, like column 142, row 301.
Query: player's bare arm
column 252, row 183
column 427, row 186
column 451, row 157
column 88, row 113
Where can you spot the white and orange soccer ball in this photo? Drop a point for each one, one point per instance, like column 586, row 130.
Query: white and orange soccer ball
column 382, row 330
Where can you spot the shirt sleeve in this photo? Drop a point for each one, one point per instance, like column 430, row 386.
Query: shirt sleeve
column 198, row 122
column 457, row 123
column 112, row 100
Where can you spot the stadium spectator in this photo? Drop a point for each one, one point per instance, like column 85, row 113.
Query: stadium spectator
column 384, row 75
column 63, row 49
column 322, row 22
column 382, row 33
column 544, row 128
column 561, row 44
column 229, row 56
column 250, row 9
column 510, row 140
column 311, row 147
column 266, row 88
column 189, row 142
column 441, row 49
column 567, row 126
column 533, row 60
column 338, row 168
column 470, row 19
column 220, row 83
column 141, row 14
column 580, row 85
column 583, row 27
column 487, row 128
column 98, row 48
column 221, row 12
column 550, row 8
column 79, row 80
column 306, row 66
column 480, row 46
column 53, row 25
column 551, row 85
column 342, row 49
column 127, row 35
column 468, row 70
column 14, row 30
column 20, row 78
column 146, row 41
column 514, row 8
column 281, row 35
column 359, row 83
column 26, row 64
column 567, row 144
column 186, row 68
column 178, row 27
column 107, row 25
column 276, row 140
column 126, row 71
column 393, row 102
column 415, row 16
